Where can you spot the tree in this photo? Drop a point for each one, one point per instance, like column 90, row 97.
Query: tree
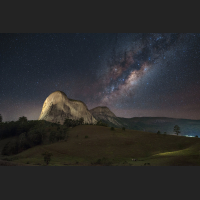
column 52, row 136
column 47, row 157
column 81, row 120
column 22, row 119
column 158, row 132
column 177, row 129
column 1, row 118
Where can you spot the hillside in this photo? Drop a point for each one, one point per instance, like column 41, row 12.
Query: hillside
column 106, row 147
column 153, row 124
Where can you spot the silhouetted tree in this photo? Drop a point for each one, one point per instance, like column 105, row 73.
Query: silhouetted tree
column 22, row 119
column 47, row 157
column 52, row 136
column 81, row 120
column 177, row 129
column 158, row 132
column 1, row 119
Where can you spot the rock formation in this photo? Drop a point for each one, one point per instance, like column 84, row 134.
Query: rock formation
column 57, row 107
column 103, row 113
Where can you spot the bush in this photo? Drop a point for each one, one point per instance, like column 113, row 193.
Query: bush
column 112, row 129
column 100, row 123
column 47, row 157
column 52, row 136
column 123, row 128
column 104, row 161
column 35, row 137
column 196, row 136
column 11, row 148
column 72, row 122
column 158, row 132
column 86, row 136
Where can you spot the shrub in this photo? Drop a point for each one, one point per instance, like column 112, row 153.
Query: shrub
column 35, row 137
column 72, row 122
column 123, row 128
column 11, row 148
column 52, row 136
column 86, row 136
column 100, row 123
column 196, row 136
column 47, row 157
column 112, row 129
column 104, row 161
column 158, row 132
column 60, row 135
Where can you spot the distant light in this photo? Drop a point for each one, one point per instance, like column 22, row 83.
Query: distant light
column 189, row 136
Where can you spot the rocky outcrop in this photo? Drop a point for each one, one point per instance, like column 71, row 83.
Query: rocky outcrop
column 102, row 110
column 57, row 107
column 104, row 113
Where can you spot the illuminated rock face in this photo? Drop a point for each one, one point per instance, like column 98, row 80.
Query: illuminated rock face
column 57, row 107
column 104, row 113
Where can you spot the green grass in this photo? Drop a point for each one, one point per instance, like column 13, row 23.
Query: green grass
column 115, row 148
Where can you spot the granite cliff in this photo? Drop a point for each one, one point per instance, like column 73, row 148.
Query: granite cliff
column 57, row 107
column 104, row 114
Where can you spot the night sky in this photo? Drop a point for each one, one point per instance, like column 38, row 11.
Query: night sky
column 133, row 74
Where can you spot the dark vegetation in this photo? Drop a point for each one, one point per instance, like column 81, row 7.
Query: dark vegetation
column 47, row 157
column 102, row 161
column 27, row 134
column 158, row 132
column 1, row 119
column 112, row 128
column 30, row 133
column 73, row 123
column 101, row 123
column 177, row 129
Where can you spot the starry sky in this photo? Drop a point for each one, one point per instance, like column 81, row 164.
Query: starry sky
column 133, row 74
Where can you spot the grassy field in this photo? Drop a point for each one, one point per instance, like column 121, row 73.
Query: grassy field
column 89, row 145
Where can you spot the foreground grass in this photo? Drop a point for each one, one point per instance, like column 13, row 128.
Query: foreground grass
column 117, row 148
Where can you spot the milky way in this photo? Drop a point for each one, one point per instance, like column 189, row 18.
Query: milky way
column 122, row 76
column 134, row 74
